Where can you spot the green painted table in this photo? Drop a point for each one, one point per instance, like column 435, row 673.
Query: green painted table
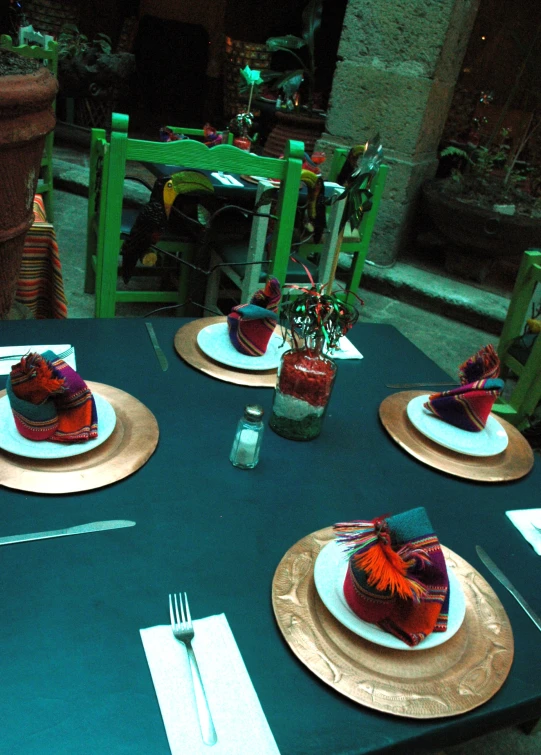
column 74, row 675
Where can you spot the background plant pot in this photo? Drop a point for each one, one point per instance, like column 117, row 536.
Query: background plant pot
column 303, row 128
column 26, row 117
column 474, row 236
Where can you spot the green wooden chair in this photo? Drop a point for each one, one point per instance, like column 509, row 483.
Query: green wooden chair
column 247, row 268
column 320, row 259
column 108, row 170
column 49, row 58
column 520, row 356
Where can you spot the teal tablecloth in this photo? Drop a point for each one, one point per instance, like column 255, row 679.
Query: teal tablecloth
column 74, row 677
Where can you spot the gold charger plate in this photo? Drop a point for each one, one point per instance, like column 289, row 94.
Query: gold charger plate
column 511, row 464
column 453, row 678
column 187, row 347
column 129, row 447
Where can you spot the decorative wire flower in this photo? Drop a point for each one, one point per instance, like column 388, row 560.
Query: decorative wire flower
column 315, row 316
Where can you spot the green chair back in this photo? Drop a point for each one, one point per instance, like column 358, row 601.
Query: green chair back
column 49, row 58
column 106, row 199
column 525, row 366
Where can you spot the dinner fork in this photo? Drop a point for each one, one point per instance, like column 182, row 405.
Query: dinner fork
column 62, row 355
column 181, row 624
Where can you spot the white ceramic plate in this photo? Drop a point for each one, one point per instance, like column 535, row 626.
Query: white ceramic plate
column 488, row 442
column 12, row 441
column 329, row 574
column 215, row 342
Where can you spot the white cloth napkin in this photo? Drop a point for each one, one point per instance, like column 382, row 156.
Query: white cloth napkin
column 58, row 348
column 227, row 179
column 240, row 723
column 345, row 350
column 524, row 520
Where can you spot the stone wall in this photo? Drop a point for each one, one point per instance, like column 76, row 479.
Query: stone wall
column 398, row 65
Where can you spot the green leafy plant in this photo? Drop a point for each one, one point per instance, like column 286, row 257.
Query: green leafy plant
column 302, row 49
column 89, row 67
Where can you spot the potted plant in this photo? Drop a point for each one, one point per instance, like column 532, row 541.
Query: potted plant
column 489, row 203
column 296, row 115
column 27, row 92
column 91, row 74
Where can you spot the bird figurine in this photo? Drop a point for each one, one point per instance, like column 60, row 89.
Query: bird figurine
column 152, row 220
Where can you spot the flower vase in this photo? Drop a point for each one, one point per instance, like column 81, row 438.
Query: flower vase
column 303, row 389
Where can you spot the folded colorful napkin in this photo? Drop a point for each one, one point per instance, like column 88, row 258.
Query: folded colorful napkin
column 397, row 576
column 50, row 401
column 251, row 325
column 469, row 405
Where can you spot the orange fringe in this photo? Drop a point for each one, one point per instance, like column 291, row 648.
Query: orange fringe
column 386, row 570
column 42, row 385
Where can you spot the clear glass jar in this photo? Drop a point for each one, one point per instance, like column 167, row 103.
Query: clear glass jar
column 303, row 389
column 245, row 449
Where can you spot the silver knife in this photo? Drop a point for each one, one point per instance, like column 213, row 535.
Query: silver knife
column 162, row 359
column 113, row 524
column 491, row 566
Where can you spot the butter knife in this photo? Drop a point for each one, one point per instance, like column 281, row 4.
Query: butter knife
column 113, row 524
column 491, row 566
column 162, row 359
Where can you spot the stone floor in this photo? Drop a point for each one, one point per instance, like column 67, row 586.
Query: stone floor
column 447, row 341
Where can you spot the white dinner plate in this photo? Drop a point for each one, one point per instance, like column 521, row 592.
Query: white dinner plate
column 329, row 574
column 490, row 441
column 215, row 342
column 11, row 440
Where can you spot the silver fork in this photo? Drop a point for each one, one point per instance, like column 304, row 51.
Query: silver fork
column 62, row 355
column 181, row 624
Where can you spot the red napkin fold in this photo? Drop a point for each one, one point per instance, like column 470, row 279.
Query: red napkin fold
column 468, row 406
column 50, row 401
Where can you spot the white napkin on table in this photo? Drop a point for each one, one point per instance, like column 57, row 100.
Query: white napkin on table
column 524, row 520
column 241, row 726
column 345, row 350
column 58, row 348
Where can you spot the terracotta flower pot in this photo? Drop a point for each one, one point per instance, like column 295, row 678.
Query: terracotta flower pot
column 303, row 128
column 26, row 117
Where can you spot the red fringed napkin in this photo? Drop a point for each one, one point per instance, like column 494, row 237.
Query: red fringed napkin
column 251, row 325
column 50, row 401
column 468, row 407
column 397, row 576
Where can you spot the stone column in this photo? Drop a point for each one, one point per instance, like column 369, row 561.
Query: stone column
column 399, row 62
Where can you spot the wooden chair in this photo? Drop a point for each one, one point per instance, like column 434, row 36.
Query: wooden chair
column 49, row 58
column 248, row 268
column 319, row 259
column 108, row 169
column 520, row 355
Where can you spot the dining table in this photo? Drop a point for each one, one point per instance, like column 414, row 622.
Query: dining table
column 75, row 678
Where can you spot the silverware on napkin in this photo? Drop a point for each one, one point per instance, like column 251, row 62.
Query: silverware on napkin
column 112, row 524
column 162, row 359
column 496, row 571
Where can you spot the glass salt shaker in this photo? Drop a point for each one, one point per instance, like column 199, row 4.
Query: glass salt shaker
column 245, row 449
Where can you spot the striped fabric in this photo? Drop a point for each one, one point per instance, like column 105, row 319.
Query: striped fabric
column 41, row 286
column 468, row 407
column 251, row 325
column 397, row 576
column 50, row 401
